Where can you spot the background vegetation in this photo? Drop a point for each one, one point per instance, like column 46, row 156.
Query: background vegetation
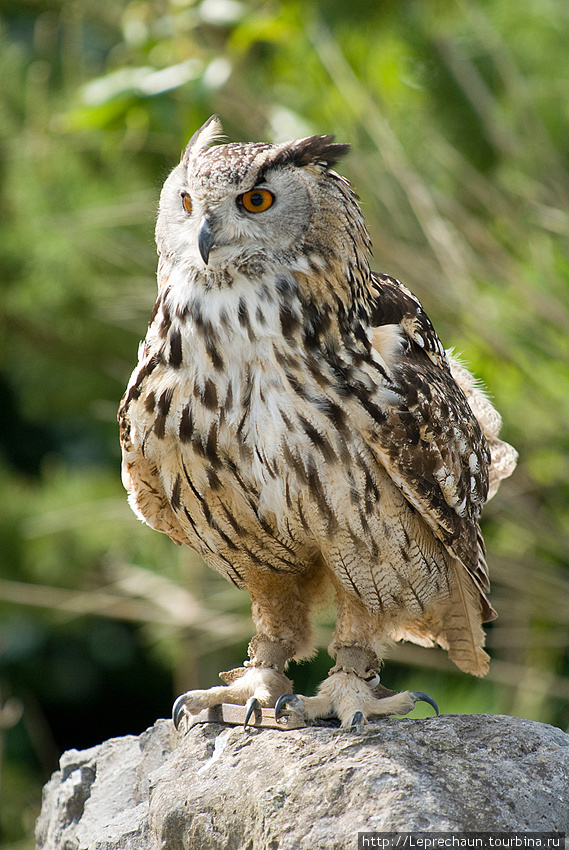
column 458, row 116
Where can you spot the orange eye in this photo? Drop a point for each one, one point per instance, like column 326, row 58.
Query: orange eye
column 187, row 202
column 257, row 200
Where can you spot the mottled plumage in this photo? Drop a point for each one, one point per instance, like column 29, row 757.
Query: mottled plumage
column 295, row 419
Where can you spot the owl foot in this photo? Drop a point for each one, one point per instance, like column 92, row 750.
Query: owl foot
column 352, row 700
column 253, row 687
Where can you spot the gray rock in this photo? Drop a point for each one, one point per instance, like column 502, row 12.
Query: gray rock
column 261, row 789
column 99, row 797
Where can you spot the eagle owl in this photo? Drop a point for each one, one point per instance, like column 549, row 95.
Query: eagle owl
column 295, row 419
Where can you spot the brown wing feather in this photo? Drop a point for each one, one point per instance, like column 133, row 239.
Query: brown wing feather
column 435, row 451
column 430, row 442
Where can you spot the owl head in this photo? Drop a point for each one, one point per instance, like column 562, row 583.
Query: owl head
column 228, row 203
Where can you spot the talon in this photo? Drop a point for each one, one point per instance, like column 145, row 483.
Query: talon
column 178, row 710
column 357, row 721
column 419, row 696
column 252, row 706
column 288, row 701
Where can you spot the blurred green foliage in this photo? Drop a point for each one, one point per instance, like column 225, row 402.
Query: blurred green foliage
column 458, row 116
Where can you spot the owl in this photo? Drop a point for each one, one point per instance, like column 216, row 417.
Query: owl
column 295, row 419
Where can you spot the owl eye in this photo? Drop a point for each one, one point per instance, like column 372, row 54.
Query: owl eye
column 257, row 200
column 187, row 202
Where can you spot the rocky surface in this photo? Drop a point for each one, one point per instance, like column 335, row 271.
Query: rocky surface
column 260, row 789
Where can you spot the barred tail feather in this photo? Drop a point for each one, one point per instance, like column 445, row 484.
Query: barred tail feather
column 462, row 619
column 455, row 624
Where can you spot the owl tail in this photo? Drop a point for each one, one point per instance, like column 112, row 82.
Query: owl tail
column 462, row 633
column 455, row 624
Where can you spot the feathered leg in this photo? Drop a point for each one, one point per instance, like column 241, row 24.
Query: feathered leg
column 352, row 692
column 281, row 609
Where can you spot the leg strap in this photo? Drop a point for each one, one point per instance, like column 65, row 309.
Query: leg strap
column 263, row 652
column 266, row 652
column 355, row 659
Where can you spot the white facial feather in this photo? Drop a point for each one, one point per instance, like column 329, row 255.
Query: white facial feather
column 238, row 233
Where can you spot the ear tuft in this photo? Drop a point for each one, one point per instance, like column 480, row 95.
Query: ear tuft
column 203, row 138
column 318, row 149
column 315, row 150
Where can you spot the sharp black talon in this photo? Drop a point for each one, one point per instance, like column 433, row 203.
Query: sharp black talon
column 252, row 705
column 284, row 702
column 419, row 696
column 178, row 710
column 357, row 721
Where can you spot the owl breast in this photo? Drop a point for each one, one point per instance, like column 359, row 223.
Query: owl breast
column 210, row 407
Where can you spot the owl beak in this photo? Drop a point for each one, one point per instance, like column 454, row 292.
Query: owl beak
column 206, row 240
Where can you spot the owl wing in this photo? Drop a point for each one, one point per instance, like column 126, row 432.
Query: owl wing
column 451, row 410
column 428, row 438
column 435, row 451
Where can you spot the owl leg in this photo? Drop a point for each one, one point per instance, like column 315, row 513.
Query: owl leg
column 352, row 692
column 281, row 614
